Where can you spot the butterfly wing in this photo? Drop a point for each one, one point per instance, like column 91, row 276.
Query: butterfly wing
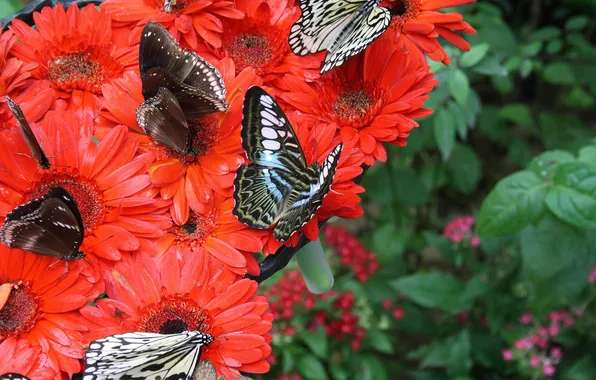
column 359, row 36
column 50, row 226
column 158, row 49
column 13, row 376
column 306, row 198
column 28, row 135
column 193, row 102
column 205, row 371
column 267, row 136
column 259, row 194
column 322, row 22
column 161, row 118
column 139, row 356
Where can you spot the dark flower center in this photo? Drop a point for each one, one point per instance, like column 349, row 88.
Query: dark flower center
column 206, row 132
column 87, row 195
column 250, row 49
column 20, row 312
column 76, row 71
column 352, row 103
column 402, row 10
column 399, row 9
column 196, row 230
column 174, row 315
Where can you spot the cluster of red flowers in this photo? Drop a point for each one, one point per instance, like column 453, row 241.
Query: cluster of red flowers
column 159, row 236
column 459, row 231
column 536, row 351
column 352, row 254
column 343, row 322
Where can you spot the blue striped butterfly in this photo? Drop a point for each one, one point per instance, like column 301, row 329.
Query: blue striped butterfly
column 342, row 27
column 277, row 187
column 144, row 355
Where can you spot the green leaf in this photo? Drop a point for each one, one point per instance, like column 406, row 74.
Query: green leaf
column 464, row 167
column 573, row 198
column 545, row 164
column 491, row 66
column 583, row 369
column 410, row 190
column 460, row 119
column 546, row 33
column 311, row 368
column 433, row 289
column 559, row 73
column 338, row 372
column 576, row 23
column 317, row 342
column 460, row 361
column 315, row 268
column 9, row 7
column 379, row 341
column 518, row 113
column 557, row 259
column 389, row 243
column 516, row 201
column 459, row 86
column 444, row 130
column 475, row 55
column 572, row 137
column 588, row 154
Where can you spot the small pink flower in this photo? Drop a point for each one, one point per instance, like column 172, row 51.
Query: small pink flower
column 592, row 278
column 523, row 344
column 535, row 361
column 556, row 353
column 456, row 237
column 553, row 330
column 548, row 369
column 475, row 241
column 398, row 313
column 387, row 303
column 507, row 355
column 543, row 332
column 525, row 318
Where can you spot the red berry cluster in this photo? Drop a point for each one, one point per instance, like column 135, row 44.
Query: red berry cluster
column 352, row 254
column 398, row 313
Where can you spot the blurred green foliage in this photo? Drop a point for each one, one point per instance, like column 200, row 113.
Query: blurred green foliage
column 512, row 142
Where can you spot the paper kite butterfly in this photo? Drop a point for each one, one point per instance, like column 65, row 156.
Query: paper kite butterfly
column 13, row 376
column 144, row 355
column 278, row 186
column 343, row 28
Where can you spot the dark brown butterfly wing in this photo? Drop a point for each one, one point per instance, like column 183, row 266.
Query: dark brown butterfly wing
column 28, row 134
column 161, row 118
column 50, row 226
column 158, row 49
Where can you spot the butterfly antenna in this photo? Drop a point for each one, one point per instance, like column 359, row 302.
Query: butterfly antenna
column 174, row 314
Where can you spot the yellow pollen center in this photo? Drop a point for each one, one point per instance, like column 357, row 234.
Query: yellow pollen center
column 20, row 312
column 76, row 71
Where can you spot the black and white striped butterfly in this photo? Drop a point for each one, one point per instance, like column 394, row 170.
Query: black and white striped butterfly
column 13, row 376
column 144, row 355
column 342, row 27
column 28, row 134
column 49, row 226
column 278, row 186
column 197, row 85
column 206, row 371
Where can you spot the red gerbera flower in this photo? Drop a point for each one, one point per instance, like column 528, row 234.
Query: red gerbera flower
column 371, row 99
column 75, row 53
column 417, row 24
column 19, row 356
column 109, row 184
column 260, row 41
column 342, row 200
column 34, row 101
column 190, row 18
column 218, row 233
column 38, row 309
column 190, row 182
column 188, row 292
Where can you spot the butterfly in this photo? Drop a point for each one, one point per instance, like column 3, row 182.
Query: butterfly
column 206, row 371
column 49, row 226
column 342, row 27
column 278, row 186
column 13, row 376
column 144, row 355
column 28, row 135
column 197, row 85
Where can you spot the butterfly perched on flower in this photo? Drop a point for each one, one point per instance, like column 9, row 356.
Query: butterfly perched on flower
column 28, row 135
column 144, row 355
column 342, row 27
column 49, row 226
column 277, row 187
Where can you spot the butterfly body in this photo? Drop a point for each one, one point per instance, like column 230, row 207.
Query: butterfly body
column 277, row 187
column 28, row 135
column 49, row 226
column 142, row 355
column 342, row 27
